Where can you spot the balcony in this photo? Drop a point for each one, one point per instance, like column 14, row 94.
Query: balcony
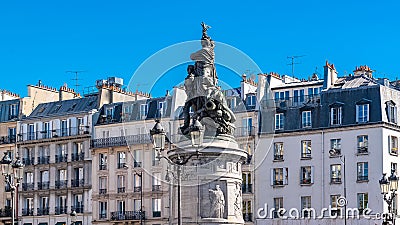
column 156, row 188
column 78, row 208
column 121, row 141
column 122, row 165
column 43, row 211
column 6, row 212
column 60, row 210
column 43, row 185
column 297, row 101
column 156, row 213
column 103, row 167
column 103, row 216
column 137, row 189
column 278, row 182
column 362, row 178
column 278, row 157
column 137, row 164
column 336, row 152
column 7, row 139
column 247, row 188
column 102, row 191
column 27, row 212
column 248, row 217
column 61, row 158
column 362, row 150
column 43, row 160
column 128, row 215
column 336, row 180
column 121, row 190
column 306, row 155
column 28, row 186
column 61, row 184
column 77, row 183
column 78, row 156
column 47, row 134
column 244, row 131
column 28, row 161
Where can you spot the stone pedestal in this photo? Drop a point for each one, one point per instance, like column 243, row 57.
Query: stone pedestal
column 211, row 183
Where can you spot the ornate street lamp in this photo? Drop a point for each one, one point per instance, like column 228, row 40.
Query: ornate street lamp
column 13, row 174
column 158, row 135
column 197, row 133
column 73, row 217
column 389, row 186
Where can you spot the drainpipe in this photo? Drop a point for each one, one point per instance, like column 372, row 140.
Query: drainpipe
column 322, row 168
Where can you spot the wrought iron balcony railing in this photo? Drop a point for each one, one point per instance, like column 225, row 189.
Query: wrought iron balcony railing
column 61, row 184
column 137, row 189
column 156, row 188
column 43, row 211
column 362, row 150
column 278, row 157
column 6, row 212
column 156, row 213
column 128, row 215
column 78, row 208
column 27, row 212
column 247, row 188
column 248, row 217
column 121, row 190
column 47, row 134
column 28, row 161
column 103, row 191
column 28, row 186
column 78, row 156
column 137, row 164
column 7, row 139
column 61, row 158
column 122, row 165
column 121, row 141
column 60, row 210
column 77, row 183
column 336, row 180
column 103, row 167
column 43, row 185
column 43, row 160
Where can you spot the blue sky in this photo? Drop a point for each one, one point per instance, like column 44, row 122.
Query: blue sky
column 40, row 40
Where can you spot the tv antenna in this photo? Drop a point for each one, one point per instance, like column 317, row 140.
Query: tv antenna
column 76, row 79
column 292, row 63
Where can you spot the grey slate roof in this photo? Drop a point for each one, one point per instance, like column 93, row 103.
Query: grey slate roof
column 354, row 82
column 5, row 110
column 66, row 107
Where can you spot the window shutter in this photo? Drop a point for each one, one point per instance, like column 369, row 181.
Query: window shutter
column 395, row 114
column 368, row 111
column 340, row 115
column 389, row 144
column 357, row 112
column 331, row 116
column 312, row 174
column 272, row 177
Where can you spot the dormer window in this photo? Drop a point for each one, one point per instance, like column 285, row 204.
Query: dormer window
column 336, row 113
column 161, row 108
column 143, row 111
column 13, row 110
column 251, row 100
column 391, row 112
column 110, row 112
column 362, row 112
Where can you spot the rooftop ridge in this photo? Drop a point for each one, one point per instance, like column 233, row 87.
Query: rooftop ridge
column 4, row 91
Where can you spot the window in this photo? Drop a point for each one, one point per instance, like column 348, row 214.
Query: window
column 143, row 111
column 102, row 161
column 121, row 183
column 247, row 126
column 110, row 112
column 279, row 121
column 137, row 182
column 393, row 166
column 306, row 175
column 46, row 133
column 232, row 103
column 246, row 210
column 62, row 179
column 362, row 144
column 313, row 91
column 362, row 112
column 156, row 207
column 161, row 108
column 64, row 128
column 336, row 174
column 121, row 160
column 78, row 203
column 279, row 176
column 393, row 145
column 298, row 96
column 137, row 204
column 62, row 153
column 306, row 149
column 391, row 111
column 121, row 206
column 337, row 146
column 156, row 182
column 61, row 207
column 335, row 206
column 278, row 204
column 137, row 154
column 31, row 131
column 103, row 185
column 336, row 115
column 306, row 210
column 28, row 207
column 306, row 119
column 12, row 134
column 106, row 133
column 251, row 100
column 102, row 210
column 13, row 111
column 247, row 184
column 278, row 151
column 282, row 95
column 362, row 171
column 362, row 202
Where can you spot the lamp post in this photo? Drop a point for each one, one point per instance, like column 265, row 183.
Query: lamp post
column 13, row 174
column 389, row 186
column 73, row 217
column 343, row 161
column 141, row 195
column 159, row 136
